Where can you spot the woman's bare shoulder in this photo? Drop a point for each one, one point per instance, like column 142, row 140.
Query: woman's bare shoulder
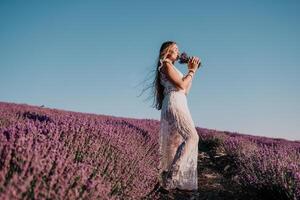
column 167, row 60
column 166, row 64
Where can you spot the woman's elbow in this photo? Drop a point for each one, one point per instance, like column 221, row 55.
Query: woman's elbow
column 181, row 87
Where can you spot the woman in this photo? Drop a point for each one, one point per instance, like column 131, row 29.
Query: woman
column 178, row 138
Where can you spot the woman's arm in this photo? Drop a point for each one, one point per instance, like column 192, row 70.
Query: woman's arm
column 173, row 76
column 188, row 88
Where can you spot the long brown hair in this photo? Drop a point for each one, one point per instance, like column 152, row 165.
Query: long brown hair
column 156, row 86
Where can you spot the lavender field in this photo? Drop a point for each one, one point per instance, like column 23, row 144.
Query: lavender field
column 48, row 153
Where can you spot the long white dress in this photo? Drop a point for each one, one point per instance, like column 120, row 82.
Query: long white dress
column 178, row 139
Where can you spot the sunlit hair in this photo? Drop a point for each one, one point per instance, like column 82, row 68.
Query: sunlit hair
column 156, row 86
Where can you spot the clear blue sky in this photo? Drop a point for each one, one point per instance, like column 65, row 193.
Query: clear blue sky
column 89, row 56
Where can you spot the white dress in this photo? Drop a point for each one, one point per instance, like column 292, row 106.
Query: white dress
column 178, row 139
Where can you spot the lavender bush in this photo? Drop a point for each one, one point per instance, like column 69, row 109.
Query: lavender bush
column 52, row 154
column 265, row 169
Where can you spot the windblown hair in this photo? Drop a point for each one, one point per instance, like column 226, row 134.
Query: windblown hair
column 157, row 87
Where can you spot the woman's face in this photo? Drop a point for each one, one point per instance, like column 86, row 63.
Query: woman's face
column 174, row 53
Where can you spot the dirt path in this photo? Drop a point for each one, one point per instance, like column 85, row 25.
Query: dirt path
column 213, row 184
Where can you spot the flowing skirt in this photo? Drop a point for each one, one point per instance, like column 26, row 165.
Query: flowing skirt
column 178, row 144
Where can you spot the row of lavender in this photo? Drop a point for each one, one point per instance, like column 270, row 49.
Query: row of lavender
column 52, row 154
column 263, row 167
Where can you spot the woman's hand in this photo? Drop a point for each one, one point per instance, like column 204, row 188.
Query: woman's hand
column 193, row 63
